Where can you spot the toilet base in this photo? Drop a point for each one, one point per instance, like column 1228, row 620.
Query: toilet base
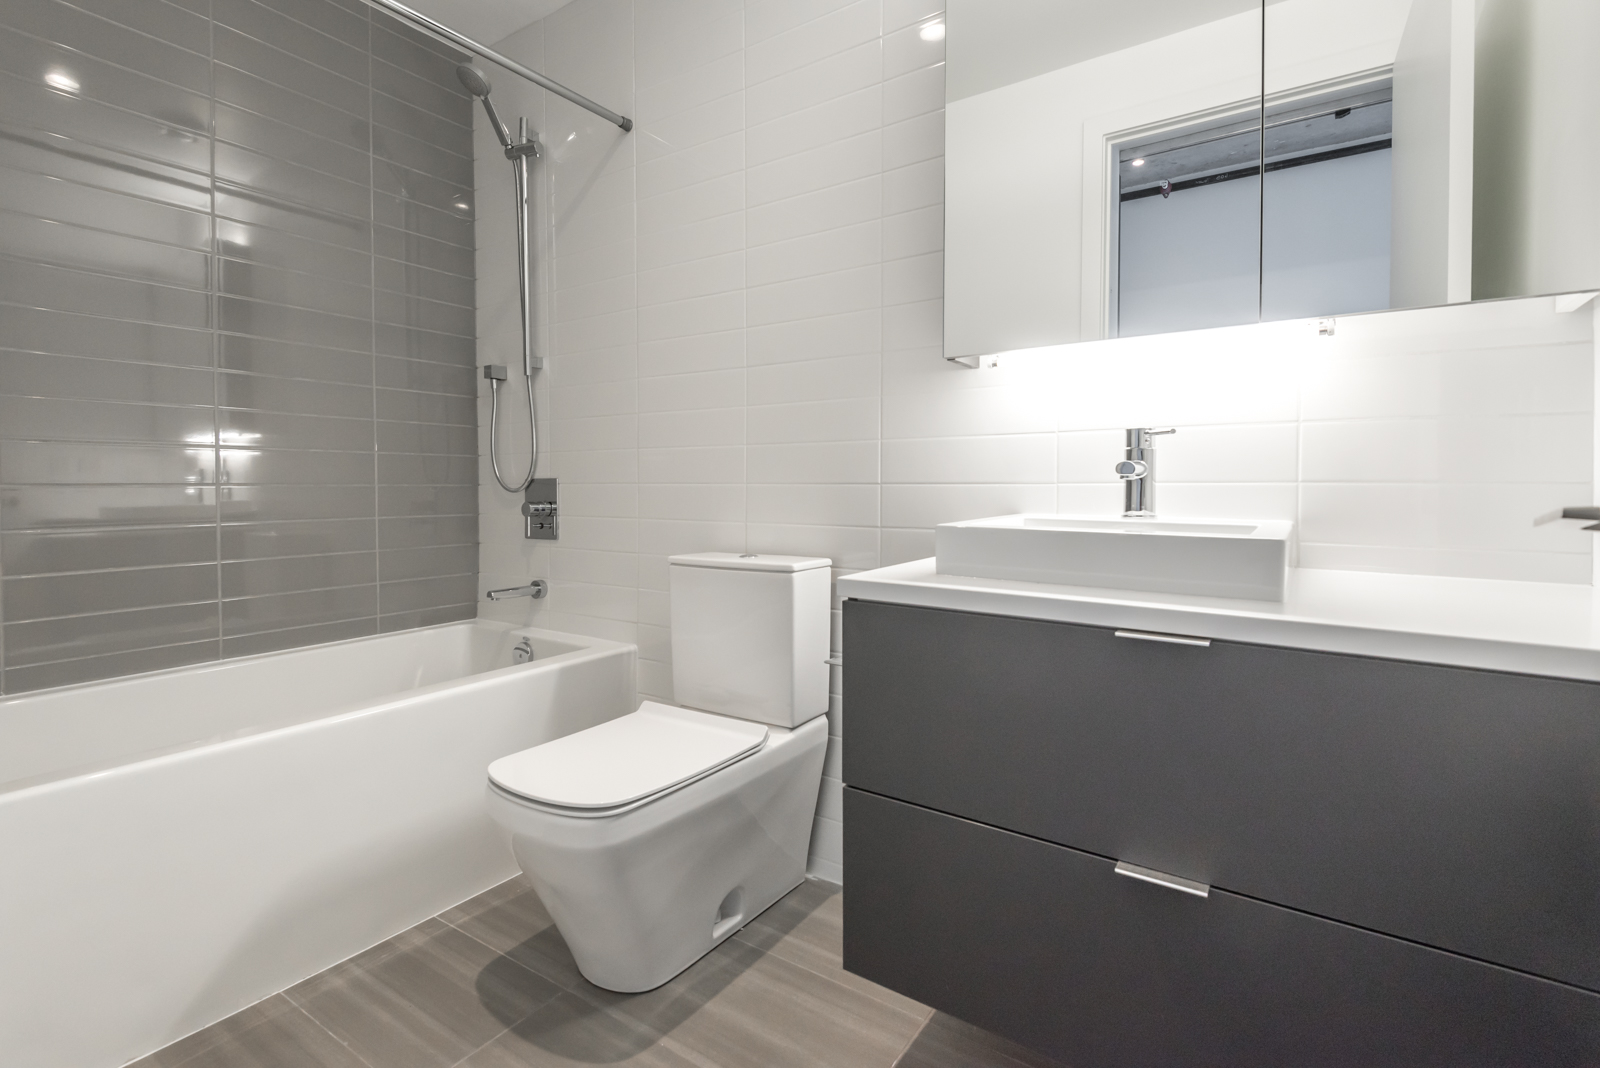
column 642, row 895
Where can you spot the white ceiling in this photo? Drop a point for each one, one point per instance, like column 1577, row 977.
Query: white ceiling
column 486, row 21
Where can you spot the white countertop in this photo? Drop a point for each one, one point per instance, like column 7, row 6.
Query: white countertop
column 1536, row 628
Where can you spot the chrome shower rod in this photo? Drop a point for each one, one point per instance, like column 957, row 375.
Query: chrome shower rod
column 503, row 61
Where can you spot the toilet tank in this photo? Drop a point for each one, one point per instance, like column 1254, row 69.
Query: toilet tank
column 750, row 635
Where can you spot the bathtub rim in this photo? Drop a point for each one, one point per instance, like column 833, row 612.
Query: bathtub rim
column 590, row 648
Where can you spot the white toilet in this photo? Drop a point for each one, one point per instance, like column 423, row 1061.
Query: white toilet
column 653, row 837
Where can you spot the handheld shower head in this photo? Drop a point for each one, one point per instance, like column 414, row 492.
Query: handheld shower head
column 477, row 83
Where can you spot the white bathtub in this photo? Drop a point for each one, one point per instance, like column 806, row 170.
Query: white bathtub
column 176, row 846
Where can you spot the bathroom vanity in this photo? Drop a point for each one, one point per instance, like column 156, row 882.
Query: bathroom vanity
column 1359, row 827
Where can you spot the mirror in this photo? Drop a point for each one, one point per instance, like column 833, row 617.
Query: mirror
column 1062, row 120
column 1117, row 170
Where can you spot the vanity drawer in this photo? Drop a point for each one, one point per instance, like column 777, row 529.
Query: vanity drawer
column 1048, row 946
column 1454, row 807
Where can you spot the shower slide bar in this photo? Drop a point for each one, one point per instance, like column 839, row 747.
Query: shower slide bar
column 496, row 58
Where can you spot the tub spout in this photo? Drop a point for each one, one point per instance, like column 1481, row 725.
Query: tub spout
column 535, row 589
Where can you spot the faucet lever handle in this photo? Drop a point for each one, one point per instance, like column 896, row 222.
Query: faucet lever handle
column 1139, row 436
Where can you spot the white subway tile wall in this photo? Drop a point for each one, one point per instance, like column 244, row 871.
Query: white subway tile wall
column 741, row 305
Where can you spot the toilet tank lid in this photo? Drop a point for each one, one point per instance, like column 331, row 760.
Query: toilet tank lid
column 629, row 758
column 750, row 561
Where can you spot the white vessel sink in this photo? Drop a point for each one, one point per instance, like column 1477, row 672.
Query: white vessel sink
column 1206, row 557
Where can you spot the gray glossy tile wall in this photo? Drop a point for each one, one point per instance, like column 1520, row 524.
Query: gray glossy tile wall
column 236, row 333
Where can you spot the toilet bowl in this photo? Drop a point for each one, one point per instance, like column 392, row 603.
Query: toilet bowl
column 654, row 837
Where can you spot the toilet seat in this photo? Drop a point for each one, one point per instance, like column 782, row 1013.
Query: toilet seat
column 627, row 762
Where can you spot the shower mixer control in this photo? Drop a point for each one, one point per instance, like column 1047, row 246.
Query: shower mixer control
column 539, row 510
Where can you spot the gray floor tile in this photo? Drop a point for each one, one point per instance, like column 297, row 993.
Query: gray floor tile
column 573, row 1031
column 511, row 919
column 780, row 999
column 738, row 1006
column 807, row 928
column 270, row 1034
column 424, row 999
column 491, row 984
column 947, row 1042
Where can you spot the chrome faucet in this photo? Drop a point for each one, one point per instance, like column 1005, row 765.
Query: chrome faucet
column 1138, row 472
column 535, row 589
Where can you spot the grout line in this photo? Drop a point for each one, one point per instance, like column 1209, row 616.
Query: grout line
column 31, row 261
column 213, row 309
column 912, row 1041
column 744, row 279
column 21, row 32
column 826, row 977
column 265, row 80
column 788, row 115
column 302, row 1010
column 372, row 269
column 319, row 31
column 813, row 21
column 170, row 204
column 293, row 55
column 496, row 1037
column 191, row 1034
column 460, row 57
column 114, row 149
column 832, row 186
column 94, row 657
column 807, row 71
column 654, row 121
column 412, row 36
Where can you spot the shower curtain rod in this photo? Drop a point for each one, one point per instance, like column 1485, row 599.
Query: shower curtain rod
column 509, row 64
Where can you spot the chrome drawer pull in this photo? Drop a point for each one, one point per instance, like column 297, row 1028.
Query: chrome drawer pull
column 1161, row 878
column 1171, row 639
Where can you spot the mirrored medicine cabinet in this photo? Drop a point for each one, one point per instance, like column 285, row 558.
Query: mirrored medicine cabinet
column 1115, row 170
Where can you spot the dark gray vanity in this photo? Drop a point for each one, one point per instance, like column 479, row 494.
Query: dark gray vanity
column 1336, row 859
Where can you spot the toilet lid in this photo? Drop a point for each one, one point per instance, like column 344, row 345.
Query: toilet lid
column 627, row 759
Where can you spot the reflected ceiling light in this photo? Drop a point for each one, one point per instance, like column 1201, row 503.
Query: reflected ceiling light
column 462, row 205
column 933, row 31
column 1138, row 163
column 56, row 78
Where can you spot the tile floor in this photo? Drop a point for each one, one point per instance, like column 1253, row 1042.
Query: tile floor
column 490, row 984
